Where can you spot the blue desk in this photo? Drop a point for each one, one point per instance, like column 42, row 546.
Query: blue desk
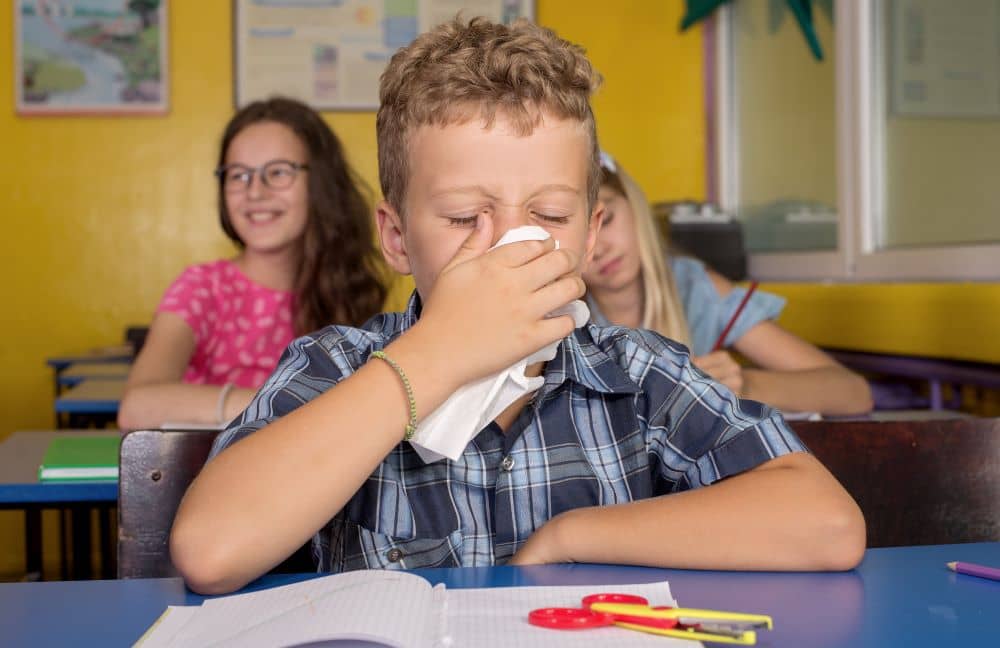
column 90, row 403
column 20, row 455
column 80, row 371
column 59, row 363
column 898, row 597
column 92, row 397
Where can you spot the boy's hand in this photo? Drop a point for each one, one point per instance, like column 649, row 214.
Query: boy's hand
column 721, row 366
column 490, row 305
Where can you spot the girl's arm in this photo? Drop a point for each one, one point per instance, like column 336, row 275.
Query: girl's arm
column 792, row 374
column 155, row 393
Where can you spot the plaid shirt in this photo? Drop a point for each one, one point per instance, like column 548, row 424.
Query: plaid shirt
column 623, row 415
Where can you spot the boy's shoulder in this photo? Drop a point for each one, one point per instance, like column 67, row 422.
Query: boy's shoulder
column 377, row 332
column 622, row 341
column 637, row 352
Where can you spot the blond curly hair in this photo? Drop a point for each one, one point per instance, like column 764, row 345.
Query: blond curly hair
column 462, row 70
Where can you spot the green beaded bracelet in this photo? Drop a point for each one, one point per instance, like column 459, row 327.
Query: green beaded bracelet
column 411, row 425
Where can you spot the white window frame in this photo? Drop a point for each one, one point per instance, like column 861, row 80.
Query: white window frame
column 860, row 168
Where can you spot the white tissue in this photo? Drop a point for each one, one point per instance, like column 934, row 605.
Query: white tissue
column 447, row 430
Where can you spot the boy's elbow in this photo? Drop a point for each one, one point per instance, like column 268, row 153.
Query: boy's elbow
column 205, row 567
column 843, row 537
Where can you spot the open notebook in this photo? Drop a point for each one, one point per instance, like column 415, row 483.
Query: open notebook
column 397, row 609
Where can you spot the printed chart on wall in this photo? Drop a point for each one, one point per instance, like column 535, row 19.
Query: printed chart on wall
column 945, row 58
column 91, row 56
column 330, row 53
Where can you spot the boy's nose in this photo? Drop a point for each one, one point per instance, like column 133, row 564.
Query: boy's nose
column 505, row 220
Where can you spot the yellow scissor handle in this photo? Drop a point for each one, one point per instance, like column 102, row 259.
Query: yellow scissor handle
column 632, row 609
column 746, row 638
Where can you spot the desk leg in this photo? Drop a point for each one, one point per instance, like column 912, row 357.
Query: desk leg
column 109, row 556
column 81, row 542
column 937, row 401
column 64, row 532
column 33, row 544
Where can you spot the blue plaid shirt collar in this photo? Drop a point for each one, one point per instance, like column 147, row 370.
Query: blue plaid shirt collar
column 578, row 359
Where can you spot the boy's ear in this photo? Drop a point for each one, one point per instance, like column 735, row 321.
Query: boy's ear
column 593, row 228
column 390, row 233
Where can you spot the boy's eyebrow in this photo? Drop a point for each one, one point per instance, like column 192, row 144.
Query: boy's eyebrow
column 480, row 189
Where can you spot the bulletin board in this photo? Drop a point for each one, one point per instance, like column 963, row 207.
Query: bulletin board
column 330, row 53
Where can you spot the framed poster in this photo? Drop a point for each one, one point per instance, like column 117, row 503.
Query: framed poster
column 330, row 53
column 945, row 58
column 90, row 56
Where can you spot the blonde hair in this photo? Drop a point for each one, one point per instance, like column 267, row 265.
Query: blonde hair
column 662, row 310
column 462, row 70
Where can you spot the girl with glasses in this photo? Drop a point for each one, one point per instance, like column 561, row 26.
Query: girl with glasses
column 306, row 258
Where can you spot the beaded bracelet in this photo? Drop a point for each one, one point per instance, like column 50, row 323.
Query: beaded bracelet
column 411, row 425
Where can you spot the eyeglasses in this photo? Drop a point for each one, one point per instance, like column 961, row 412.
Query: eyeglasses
column 276, row 174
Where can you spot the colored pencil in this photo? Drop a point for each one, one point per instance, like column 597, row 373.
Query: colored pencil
column 739, row 309
column 973, row 569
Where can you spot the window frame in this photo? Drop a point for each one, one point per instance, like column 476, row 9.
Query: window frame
column 860, row 105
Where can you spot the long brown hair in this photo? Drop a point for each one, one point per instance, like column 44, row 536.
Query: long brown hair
column 339, row 279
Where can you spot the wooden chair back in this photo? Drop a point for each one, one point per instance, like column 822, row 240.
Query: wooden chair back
column 917, row 482
column 155, row 469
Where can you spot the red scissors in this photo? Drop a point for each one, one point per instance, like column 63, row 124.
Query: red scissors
column 635, row 613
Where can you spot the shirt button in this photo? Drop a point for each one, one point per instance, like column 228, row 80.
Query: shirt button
column 507, row 463
column 394, row 555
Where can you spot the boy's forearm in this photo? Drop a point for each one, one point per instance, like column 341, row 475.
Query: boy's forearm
column 830, row 390
column 264, row 496
column 789, row 515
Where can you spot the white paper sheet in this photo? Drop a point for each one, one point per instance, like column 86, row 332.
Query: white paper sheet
column 498, row 617
column 396, row 609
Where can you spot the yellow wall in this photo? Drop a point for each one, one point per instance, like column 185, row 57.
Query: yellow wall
column 101, row 213
column 945, row 320
column 104, row 212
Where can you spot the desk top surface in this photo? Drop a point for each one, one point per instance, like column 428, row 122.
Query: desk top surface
column 901, row 596
column 109, row 354
column 92, row 370
column 92, row 397
column 20, row 455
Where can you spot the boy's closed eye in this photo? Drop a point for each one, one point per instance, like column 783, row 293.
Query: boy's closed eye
column 465, row 218
column 551, row 217
column 469, row 219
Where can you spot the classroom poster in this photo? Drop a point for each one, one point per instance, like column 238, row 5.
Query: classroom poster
column 945, row 58
column 91, row 56
column 330, row 53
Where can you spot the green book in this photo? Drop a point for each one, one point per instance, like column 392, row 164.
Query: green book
column 75, row 458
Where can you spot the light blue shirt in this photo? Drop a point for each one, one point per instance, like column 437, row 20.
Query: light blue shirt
column 706, row 311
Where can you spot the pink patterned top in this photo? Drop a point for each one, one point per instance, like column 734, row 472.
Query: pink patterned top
column 240, row 328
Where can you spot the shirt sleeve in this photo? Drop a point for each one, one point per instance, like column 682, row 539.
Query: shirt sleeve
column 708, row 313
column 697, row 431
column 190, row 298
column 308, row 367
